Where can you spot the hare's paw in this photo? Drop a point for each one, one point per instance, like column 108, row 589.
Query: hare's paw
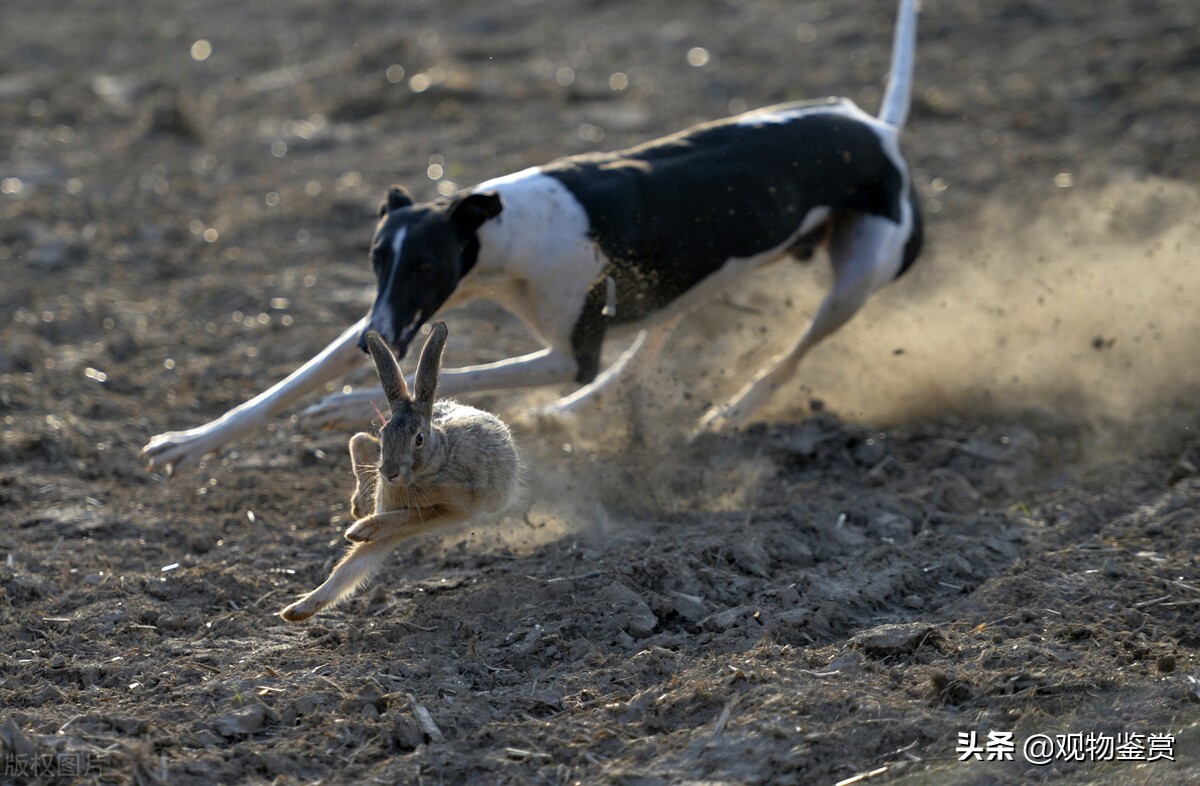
column 378, row 525
column 355, row 408
column 363, row 531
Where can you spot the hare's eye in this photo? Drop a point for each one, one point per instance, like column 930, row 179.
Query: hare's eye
column 418, row 440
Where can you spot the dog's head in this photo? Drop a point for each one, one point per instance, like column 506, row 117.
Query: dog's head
column 420, row 252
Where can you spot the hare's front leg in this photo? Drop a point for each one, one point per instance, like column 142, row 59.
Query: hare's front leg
column 361, row 562
column 379, row 525
column 406, row 523
column 364, row 459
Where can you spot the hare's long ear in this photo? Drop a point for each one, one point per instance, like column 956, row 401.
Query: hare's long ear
column 430, row 365
column 389, row 370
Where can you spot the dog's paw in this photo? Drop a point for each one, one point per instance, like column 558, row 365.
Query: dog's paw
column 552, row 414
column 712, row 422
column 725, row 417
column 344, row 410
column 172, row 451
column 737, row 411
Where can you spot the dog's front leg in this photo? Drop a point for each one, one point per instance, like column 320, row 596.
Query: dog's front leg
column 546, row 367
column 633, row 363
column 174, row 450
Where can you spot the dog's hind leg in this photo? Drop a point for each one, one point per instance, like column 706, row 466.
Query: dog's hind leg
column 866, row 253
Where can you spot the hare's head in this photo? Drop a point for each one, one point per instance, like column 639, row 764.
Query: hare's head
column 410, row 441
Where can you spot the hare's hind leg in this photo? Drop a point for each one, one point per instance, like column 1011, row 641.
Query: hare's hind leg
column 364, row 459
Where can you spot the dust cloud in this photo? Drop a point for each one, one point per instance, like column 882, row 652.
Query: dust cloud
column 1083, row 308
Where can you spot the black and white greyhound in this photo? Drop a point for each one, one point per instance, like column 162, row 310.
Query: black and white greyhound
column 602, row 243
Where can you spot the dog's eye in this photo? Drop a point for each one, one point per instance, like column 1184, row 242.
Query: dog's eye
column 425, row 269
column 418, row 440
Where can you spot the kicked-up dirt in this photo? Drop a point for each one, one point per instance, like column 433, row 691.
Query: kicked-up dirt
column 976, row 513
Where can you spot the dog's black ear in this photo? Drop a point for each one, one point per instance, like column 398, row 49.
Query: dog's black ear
column 397, row 197
column 469, row 212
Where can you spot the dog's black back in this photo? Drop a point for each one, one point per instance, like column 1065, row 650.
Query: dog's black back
column 671, row 212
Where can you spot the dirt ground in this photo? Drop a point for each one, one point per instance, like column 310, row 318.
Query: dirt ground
column 977, row 510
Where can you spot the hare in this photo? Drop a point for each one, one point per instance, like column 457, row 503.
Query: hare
column 433, row 465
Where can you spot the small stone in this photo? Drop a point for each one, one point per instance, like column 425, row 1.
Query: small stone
column 748, row 555
column 690, row 608
column 309, row 703
column 407, row 733
column 804, row 442
column 205, row 738
column 892, row 528
column 870, row 451
column 724, row 620
column 630, row 613
column 129, row 726
column 247, row 720
column 887, row 640
column 177, row 622
column 1166, row 663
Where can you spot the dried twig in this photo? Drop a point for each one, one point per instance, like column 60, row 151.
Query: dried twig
column 863, row 776
column 726, row 711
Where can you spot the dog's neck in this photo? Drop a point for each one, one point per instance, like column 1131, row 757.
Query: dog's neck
column 539, row 221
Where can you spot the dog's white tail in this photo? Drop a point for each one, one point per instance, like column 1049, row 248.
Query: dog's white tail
column 898, row 96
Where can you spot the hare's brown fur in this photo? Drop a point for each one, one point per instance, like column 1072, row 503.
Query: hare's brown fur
column 433, row 465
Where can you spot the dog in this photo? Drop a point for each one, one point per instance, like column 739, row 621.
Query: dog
column 603, row 243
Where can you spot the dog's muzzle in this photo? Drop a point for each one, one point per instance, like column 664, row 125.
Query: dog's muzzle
column 399, row 345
